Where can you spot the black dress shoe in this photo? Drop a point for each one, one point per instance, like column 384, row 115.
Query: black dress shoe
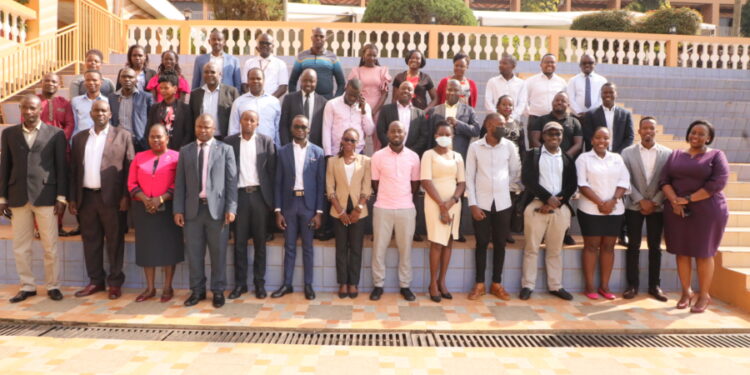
column 436, row 298
column 376, row 293
column 54, row 294
column 269, row 237
column 74, row 232
column 657, row 293
column 260, row 291
column 218, row 300
column 408, row 295
column 525, row 293
column 194, row 299
column 309, row 292
column 568, row 240
column 510, row 240
column 562, row 293
column 237, row 292
column 21, row 296
column 461, row 238
column 417, row 238
column 622, row 241
column 630, row 292
column 285, row 289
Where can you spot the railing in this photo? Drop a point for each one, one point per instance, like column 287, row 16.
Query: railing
column 100, row 29
column 14, row 19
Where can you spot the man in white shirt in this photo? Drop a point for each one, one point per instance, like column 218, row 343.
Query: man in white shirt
column 584, row 87
column 214, row 98
column 261, row 102
column 539, row 90
column 275, row 70
column 506, row 83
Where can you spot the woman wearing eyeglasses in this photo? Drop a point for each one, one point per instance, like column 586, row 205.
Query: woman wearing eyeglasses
column 348, row 187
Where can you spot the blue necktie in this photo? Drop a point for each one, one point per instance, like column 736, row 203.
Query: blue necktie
column 587, row 100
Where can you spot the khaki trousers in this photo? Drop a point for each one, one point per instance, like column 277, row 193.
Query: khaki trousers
column 550, row 227
column 23, row 235
column 384, row 222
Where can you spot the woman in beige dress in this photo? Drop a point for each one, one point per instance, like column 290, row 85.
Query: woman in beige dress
column 442, row 175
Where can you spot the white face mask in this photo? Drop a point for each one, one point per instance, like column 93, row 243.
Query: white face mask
column 444, row 141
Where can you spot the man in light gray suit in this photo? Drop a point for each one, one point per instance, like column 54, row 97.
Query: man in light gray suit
column 459, row 115
column 644, row 161
column 205, row 202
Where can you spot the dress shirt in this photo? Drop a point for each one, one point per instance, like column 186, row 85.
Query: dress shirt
column 218, row 60
column 248, row 167
column 82, row 111
column 206, row 158
column 339, row 116
column 551, row 170
column 538, row 92
column 311, row 105
column 140, row 80
column 577, row 91
column 125, row 116
column 92, row 158
column 603, row 176
column 30, row 135
column 499, row 86
column 58, row 113
column 211, row 104
column 268, row 108
column 299, row 165
column 404, row 116
column 395, row 172
column 451, row 110
column 274, row 71
column 648, row 158
column 609, row 117
column 491, row 173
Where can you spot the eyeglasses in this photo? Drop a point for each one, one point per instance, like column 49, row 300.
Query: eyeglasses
column 300, row 127
column 349, row 140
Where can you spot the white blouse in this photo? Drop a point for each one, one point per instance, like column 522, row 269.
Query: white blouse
column 603, row 176
column 349, row 170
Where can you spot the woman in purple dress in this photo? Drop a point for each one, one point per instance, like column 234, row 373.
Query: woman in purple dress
column 695, row 211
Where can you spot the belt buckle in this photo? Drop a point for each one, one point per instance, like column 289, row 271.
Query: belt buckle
column 299, row 193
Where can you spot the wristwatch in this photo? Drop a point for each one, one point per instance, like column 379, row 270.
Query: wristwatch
column 360, row 207
column 687, row 197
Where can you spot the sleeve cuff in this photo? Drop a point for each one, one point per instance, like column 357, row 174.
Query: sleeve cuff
column 61, row 199
column 318, row 211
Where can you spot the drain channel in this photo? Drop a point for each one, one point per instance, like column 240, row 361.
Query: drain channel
column 395, row 339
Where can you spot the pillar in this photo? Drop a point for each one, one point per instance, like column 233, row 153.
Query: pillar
column 614, row 4
column 515, row 5
column 568, row 6
column 46, row 19
column 711, row 13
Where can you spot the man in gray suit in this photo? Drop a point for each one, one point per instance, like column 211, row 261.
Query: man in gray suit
column 644, row 162
column 459, row 115
column 205, row 203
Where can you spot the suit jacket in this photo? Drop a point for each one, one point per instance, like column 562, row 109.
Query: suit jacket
column 230, row 73
column 419, row 136
column 142, row 102
column 227, row 95
column 183, row 127
column 221, row 181
column 467, row 126
column 336, row 184
column 292, row 106
column 148, row 73
column 36, row 174
column 313, row 175
column 530, row 178
column 622, row 127
column 639, row 188
column 265, row 162
column 116, row 158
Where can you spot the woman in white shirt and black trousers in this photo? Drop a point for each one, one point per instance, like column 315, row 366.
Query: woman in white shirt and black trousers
column 603, row 180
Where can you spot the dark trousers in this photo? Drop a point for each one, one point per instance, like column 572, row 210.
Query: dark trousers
column 654, row 226
column 200, row 231
column 495, row 227
column 298, row 218
column 100, row 222
column 348, row 249
column 529, row 125
column 251, row 223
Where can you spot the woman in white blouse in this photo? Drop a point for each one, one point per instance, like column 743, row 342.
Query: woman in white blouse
column 603, row 180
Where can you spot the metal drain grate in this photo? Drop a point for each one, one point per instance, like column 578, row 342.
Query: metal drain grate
column 107, row 333
column 295, row 338
column 23, row 330
column 592, row 340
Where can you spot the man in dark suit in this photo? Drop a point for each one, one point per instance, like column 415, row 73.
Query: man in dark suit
column 205, row 203
column 617, row 119
column 295, row 104
column 174, row 114
column 459, row 115
column 418, row 134
column 214, row 98
column 100, row 161
column 256, row 166
column 33, row 183
column 129, row 107
column 298, row 199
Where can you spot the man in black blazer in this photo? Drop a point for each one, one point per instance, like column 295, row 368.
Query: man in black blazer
column 617, row 119
column 214, row 98
column 294, row 104
column 173, row 113
column 33, row 184
column 460, row 116
column 418, row 136
column 256, row 167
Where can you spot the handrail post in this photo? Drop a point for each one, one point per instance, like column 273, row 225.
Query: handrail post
column 433, row 50
column 672, row 52
column 185, row 47
column 306, row 37
column 77, row 36
column 553, row 45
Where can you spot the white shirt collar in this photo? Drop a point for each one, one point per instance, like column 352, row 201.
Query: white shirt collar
column 205, row 87
column 545, row 151
column 607, row 109
column 640, row 147
column 408, row 106
column 208, row 143
column 92, row 131
column 36, row 127
column 298, row 147
column 250, row 95
column 242, row 139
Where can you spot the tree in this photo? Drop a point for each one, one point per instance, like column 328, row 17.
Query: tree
column 257, row 10
column 745, row 24
column 644, row 6
column 444, row 12
column 539, row 5
column 608, row 20
column 685, row 21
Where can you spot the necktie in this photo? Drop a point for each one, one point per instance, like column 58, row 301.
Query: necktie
column 200, row 166
column 306, row 106
column 587, row 100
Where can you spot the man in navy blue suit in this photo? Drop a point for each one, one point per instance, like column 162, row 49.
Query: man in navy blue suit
column 300, row 183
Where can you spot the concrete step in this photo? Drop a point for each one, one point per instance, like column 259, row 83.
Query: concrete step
column 738, row 203
column 735, row 256
column 739, row 219
column 736, row 236
column 738, row 189
column 745, row 271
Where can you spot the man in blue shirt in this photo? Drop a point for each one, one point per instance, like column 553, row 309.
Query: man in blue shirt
column 325, row 63
column 264, row 104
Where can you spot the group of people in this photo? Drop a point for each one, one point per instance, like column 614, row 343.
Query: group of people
column 316, row 155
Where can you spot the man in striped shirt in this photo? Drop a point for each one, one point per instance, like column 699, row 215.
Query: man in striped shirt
column 325, row 63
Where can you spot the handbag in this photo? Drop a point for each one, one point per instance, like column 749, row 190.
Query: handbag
column 518, row 205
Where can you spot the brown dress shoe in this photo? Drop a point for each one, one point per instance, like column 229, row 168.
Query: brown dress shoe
column 89, row 290
column 478, row 291
column 630, row 293
column 115, row 292
column 498, row 291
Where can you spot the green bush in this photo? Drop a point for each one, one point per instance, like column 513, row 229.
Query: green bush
column 608, row 20
column 745, row 23
column 539, row 5
column 646, row 5
column 446, row 12
column 686, row 21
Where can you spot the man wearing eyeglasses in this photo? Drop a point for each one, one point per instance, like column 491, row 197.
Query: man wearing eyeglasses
column 275, row 70
column 583, row 89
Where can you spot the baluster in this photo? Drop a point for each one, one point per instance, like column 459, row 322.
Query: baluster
column 568, row 51
column 6, row 25
column 401, row 45
column 422, row 46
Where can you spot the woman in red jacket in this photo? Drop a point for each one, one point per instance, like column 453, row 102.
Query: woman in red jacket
column 469, row 93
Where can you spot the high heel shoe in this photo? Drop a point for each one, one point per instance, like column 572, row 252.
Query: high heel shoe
column 684, row 302
column 697, row 308
column 434, row 298
column 445, row 294
column 145, row 295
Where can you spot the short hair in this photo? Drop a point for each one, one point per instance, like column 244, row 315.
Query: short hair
column 300, row 116
column 548, row 54
column 500, row 99
column 711, row 130
column 461, row 56
column 394, row 122
column 453, row 81
column 608, row 84
column 262, row 73
column 412, row 52
column 249, row 111
column 646, row 118
column 362, row 54
column 354, row 83
column 169, row 76
column 490, row 116
column 131, row 49
column 160, row 125
column 205, row 117
column 510, row 57
column 440, row 124
column 93, row 71
column 95, row 52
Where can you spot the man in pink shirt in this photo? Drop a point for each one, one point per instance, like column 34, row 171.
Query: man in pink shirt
column 347, row 111
column 397, row 168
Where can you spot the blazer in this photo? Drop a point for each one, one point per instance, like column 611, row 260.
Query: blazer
column 419, row 136
column 338, row 187
column 265, row 162
column 148, row 73
column 36, row 174
column 116, row 158
column 227, row 95
column 639, row 188
column 313, row 175
column 221, row 181
column 622, row 127
column 230, row 73
column 183, row 128
column 142, row 102
column 467, row 126
column 530, row 178
column 292, row 106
